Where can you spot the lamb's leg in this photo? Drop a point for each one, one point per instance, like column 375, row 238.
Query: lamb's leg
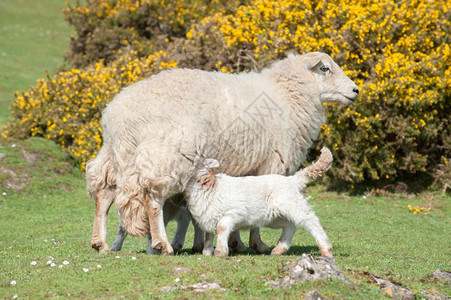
column 235, row 242
column 104, row 198
column 198, row 244
column 157, row 227
column 285, row 240
column 121, row 235
column 208, row 247
column 302, row 215
column 256, row 243
column 224, row 228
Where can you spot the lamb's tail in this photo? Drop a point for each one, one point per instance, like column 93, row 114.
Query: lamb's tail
column 317, row 169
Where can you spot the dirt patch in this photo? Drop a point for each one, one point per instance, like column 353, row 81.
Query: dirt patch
column 14, row 181
column 198, row 287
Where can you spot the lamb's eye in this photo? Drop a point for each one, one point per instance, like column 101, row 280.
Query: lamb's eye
column 324, row 69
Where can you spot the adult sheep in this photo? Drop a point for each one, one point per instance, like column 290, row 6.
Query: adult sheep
column 252, row 123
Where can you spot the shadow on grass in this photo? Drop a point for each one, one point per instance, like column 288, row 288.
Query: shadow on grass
column 294, row 250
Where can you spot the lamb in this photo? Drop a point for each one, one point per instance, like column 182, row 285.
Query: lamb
column 221, row 204
column 252, row 123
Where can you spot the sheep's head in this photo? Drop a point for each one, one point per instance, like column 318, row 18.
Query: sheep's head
column 332, row 83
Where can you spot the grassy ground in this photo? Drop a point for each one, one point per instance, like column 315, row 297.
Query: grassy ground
column 33, row 38
column 51, row 219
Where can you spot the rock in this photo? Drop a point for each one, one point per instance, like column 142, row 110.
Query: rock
column 178, row 270
column 198, row 287
column 393, row 290
column 314, row 295
column 309, row 268
column 433, row 294
column 442, row 275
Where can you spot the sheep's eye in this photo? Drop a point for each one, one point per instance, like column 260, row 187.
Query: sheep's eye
column 324, row 69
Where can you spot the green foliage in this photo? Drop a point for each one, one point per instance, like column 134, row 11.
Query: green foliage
column 398, row 53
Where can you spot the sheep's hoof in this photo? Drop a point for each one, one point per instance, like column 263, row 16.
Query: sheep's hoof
column 260, row 247
column 177, row 247
column 197, row 248
column 237, row 246
column 207, row 252
column 99, row 246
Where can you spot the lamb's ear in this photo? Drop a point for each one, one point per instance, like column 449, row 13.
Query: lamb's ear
column 211, row 163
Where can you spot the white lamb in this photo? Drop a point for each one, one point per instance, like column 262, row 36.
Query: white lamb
column 221, row 204
column 252, row 123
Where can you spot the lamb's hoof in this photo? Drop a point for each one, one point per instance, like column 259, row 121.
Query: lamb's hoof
column 220, row 253
column 326, row 251
column 260, row 248
column 197, row 248
column 237, row 246
column 162, row 248
column 207, row 252
column 279, row 251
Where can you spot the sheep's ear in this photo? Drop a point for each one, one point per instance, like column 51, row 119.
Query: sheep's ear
column 211, row 163
column 313, row 63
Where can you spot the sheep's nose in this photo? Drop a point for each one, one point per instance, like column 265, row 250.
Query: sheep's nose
column 355, row 90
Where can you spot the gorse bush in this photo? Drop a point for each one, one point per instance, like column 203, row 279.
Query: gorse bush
column 398, row 53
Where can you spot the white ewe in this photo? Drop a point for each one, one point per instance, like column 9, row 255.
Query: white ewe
column 221, row 204
column 252, row 123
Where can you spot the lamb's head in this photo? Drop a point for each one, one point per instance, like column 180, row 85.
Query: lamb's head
column 331, row 82
column 205, row 166
column 204, row 173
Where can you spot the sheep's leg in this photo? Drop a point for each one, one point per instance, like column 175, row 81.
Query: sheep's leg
column 183, row 220
column 285, row 240
column 157, row 227
column 224, row 228
column 235, row 242
column 121, row 235
column 208, row 247
column 198, row 244
column 256, row 243
column 104, row 198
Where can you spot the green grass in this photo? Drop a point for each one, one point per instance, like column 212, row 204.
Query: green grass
column 52, row 217
column 33, row 38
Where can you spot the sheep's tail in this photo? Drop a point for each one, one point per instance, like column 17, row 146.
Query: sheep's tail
column 101, row 172
column 316, row 169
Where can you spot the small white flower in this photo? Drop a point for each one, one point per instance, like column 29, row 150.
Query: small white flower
column 15, row 297
column 86, row 270
column 33, row 263
column 65, row 262
column 13, row 282
column 52, row 264
column 4, row 193
column 51, row 257
column 364, row 197
column 239, row 260
column 99, row 266
column 18, row 255
column 60, row 266
column 117, row 256
column 46, row 240
column 49, row 262
column 133, row 257
column 177, row 279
